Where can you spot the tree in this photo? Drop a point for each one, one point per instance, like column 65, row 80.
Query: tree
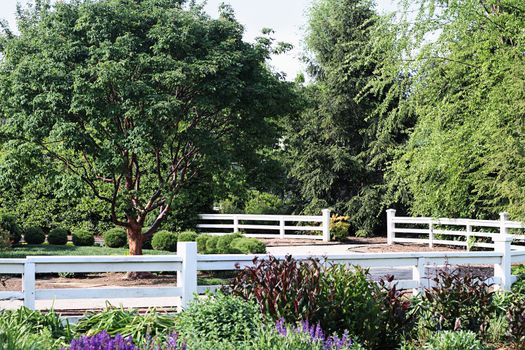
column 339, row 145
column 136, row 98
column 466, row 154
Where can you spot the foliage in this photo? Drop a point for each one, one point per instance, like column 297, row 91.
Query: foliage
column 220, row 317
column 8, row 223
column 138, row 111
column 248, row 245
column 339, row 230
column 516, row 322
column 127, row 323
column 283, row 289
column 165, row 240
column 25, row 329
column 465, row 85
column 202, row 240
column 115, row 238
column 5, row 238
column 102, row 341
column 448, row 340
column 34, row 235
column 459, row 300
column 359, row 309
column 211, row 245
column 263, row 203
column 57, row 236
column 187, row 236
column 82, row 238
column 224, row 244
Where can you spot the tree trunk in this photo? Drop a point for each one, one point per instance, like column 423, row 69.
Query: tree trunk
column 135, row 238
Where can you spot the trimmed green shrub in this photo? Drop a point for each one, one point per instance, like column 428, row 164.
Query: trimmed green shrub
column 221, row 317
column 57, row 236
column 165, row 240
column 448, row 340
column 34, row 235
column 224, row 244
column 248, row 245
column 115, row 238
column 83, row 238
column 211, row 245
column 201, row 243
column 5, row 239
column 8, row 223
column 339, row 227
column 187, row 236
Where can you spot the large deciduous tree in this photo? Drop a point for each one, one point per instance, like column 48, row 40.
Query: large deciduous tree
column 136, row 98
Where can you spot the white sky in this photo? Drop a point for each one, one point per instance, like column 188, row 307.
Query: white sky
column 286, row 17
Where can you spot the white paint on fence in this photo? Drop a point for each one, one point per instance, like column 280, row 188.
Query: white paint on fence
column 187, row 263
column 283, row 224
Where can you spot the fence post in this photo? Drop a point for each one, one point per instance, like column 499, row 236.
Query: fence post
column 503, row 218
column 28, row 285
column 326, row 225
column 235, row 224
column 390, row 226
column 503, row 270
column 418, row 274
column 187, row 277
column 281, row 228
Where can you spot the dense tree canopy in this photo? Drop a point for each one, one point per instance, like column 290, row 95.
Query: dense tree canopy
column 136, row 98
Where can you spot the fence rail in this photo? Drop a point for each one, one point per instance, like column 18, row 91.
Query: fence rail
column 439, row 231
column 242, row 222
column 187, row 263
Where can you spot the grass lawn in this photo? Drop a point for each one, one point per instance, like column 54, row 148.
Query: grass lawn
column 21, row 251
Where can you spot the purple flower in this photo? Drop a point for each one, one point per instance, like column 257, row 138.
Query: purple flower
column 315, row 334
column 102, row 341
column 281, row 327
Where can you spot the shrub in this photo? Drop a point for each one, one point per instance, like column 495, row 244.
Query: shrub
column 282, row 289
column 339, row 230
column 115, row 238
column 187, row 236
column 248, row 245
column 448, row 340
column 83, row 238
column 516, row 322
column 165, row 240
column 211, row 245
column 458, row 301
column 358, row 309
column 201, row 243
column 5, row 239
column 57, row 236
column 221, row 317
column 263, row 203
column 34, row 235
column 224, row 244
column 8, row 223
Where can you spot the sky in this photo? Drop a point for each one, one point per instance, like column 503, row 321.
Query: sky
column 286, row 17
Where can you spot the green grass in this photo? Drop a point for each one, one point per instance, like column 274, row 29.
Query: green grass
column 24, row 250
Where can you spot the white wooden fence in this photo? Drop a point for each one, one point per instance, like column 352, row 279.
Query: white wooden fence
column 237, row 222
column 432, row 231
column 187, row 263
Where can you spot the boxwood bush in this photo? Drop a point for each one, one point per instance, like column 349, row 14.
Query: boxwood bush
column 224, row 244
column 187, row 236
column 57, row 236
column 115, row 238
column 8, row 223
column 165, row 240
column 247, row 245
column 34, row 235
column 211, row 245
column 201, row 243
column 83, row 238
